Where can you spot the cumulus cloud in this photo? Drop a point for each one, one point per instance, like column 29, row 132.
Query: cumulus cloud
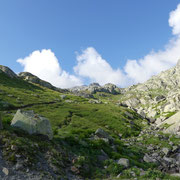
column 45, row 65
column 91, row 65
column 174, row 20
column 155, row 62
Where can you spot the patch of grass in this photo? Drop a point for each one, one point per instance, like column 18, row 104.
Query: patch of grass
column 74, row 123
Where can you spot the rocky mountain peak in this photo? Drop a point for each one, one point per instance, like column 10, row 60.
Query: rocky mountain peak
column 8, row 71
column 158, row 98
column 34, row 79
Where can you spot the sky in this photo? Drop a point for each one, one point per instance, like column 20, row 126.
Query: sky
column 71, row 43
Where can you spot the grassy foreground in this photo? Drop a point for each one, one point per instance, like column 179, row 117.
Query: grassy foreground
column 74, row 121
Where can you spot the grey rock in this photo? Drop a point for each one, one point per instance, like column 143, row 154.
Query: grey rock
column 68, row 101
column 169, row 160
column 119, row 175
column 129, row 115
column 148, row 159
column 124, row 162
column 165, row 150
column 83, row 94
column 174, row 148
column 100, row 133
column 152, row 113
column 155, row 154
column 5, row 171
column 132, row 102
column 32, row 123
column 164, row 86
column 141, row 113
column 95, row 101
column 159, row 98
column 95, row 87
column 175, row 174
column 173, row 124
column 111, row 88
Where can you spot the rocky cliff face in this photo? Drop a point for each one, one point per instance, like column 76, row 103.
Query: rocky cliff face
column 158, row 98
column 95, row 87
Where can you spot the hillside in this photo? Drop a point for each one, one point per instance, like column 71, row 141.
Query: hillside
column 94, row 137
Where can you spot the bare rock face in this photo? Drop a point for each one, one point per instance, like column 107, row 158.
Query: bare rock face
column 158, row 97
column 32, row 123
column 95, row 87
column 171, row 125
column 8, row 71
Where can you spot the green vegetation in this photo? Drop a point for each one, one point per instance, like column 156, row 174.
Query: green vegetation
column 74, row 121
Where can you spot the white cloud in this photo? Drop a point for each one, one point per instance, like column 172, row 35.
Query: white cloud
column 93, row 66
column 155, row 62
column 174, row 20
column 45, row 65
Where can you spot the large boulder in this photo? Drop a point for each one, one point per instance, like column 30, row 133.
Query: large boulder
column 123, row 162
column 103, row 135
column 172, row 124
column 132, row 102
column 32, row 123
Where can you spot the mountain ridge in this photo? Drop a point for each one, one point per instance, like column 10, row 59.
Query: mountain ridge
column 101, row 132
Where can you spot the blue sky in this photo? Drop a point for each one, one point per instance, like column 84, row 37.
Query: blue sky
column 116, row 31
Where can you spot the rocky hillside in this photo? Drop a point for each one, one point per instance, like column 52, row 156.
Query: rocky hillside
column 158, row 98
column 89, row 132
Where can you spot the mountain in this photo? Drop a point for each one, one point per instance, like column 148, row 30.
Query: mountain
column 95, row 87
column 34, row 79
column 158, row 98
column 99, row 132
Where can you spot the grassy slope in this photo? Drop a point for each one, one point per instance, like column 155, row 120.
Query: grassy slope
column 73, row 124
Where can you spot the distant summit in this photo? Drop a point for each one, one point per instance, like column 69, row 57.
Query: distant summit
column 95, row 87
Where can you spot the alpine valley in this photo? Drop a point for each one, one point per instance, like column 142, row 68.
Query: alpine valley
column 89, row 132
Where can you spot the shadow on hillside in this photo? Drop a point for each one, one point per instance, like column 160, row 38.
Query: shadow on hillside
column 17, row 83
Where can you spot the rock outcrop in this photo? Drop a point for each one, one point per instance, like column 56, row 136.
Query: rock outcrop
column 32, row 123
column 171, row 125
column 95, row 87
column 8, row 71
column 156, row 98
column 34, row 79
